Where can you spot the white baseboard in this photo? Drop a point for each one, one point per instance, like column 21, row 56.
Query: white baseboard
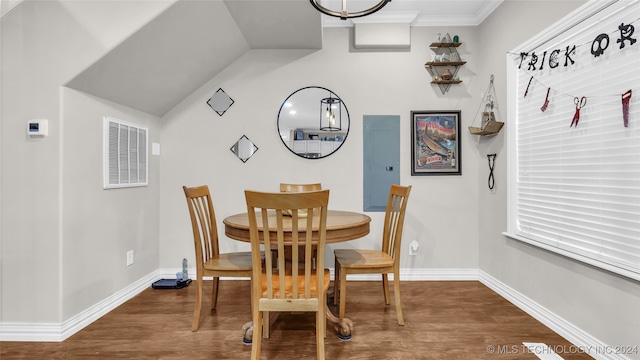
column 49, row 332
column 56, row 332
column 573, row 334
column 422, row 275
column 61, row 331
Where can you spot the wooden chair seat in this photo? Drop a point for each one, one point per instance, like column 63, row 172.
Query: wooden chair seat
column 354, row 258
column 288, row 284
column 240, row 261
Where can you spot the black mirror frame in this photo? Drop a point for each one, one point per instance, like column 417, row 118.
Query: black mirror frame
column 343, row 105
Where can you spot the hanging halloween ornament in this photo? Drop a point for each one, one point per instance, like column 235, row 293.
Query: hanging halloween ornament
column 546, row 100
column 489, row 124
column 580, row 103
column 625, row 107
column 528, row 85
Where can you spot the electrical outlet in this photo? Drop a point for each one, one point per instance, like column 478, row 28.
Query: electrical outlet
column 413, row 248
column 129, row 257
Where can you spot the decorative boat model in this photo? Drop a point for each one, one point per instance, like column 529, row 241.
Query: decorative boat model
column 489, row 124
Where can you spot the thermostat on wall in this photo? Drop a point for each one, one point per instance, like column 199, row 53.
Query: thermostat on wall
column 38, row 127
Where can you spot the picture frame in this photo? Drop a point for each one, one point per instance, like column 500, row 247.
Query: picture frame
column 435, row 143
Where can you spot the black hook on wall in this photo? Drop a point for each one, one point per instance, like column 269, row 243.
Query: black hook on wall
column 492, row 161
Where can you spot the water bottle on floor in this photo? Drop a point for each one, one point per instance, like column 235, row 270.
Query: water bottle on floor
column 185, row 272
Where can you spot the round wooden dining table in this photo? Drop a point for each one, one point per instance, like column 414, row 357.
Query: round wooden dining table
column 341, row 226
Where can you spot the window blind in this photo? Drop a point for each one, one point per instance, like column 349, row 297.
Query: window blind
column 575, row 188
column 125, row 154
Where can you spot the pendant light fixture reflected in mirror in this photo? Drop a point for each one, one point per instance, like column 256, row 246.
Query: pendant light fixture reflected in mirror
column 330, row 114
column 344, row 13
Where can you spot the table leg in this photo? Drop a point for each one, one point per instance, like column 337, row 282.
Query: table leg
column 247, row 333
column 343, row 327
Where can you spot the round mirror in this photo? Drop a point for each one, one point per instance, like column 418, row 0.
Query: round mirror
column 313, row 122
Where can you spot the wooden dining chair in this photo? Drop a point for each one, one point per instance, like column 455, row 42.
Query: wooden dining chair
column 284, row 187
column 209, row 260
column 282, row 287
column 385, row 261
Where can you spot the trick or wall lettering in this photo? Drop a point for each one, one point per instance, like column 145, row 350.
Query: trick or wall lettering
column 555, row 57
column 601, row 43
column 536, row 63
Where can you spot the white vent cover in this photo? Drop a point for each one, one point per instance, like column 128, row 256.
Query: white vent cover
column 125, row 154
column 382, row 36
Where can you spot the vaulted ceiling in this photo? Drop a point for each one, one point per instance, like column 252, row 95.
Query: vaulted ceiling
column 193, row 40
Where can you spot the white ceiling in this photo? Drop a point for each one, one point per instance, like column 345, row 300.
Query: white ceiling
column 200, row 38
column 8, row 5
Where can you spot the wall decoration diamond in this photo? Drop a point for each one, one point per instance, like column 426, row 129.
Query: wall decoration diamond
column 220, row 102
column 244, row 148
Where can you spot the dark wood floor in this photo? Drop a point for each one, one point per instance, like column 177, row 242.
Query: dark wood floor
column 444, row 320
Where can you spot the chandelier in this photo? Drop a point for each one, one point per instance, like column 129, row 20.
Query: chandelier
column 331, row 114
column 344, row 14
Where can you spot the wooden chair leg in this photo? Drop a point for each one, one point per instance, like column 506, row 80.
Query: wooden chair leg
column 336, row 282
column 256, row 339
column 266, row 324
column 214, row 293
column 320, row 320
column 396, row 293
column 343, row 292
column 324, row 323
column 385, row 288
column 196, row 311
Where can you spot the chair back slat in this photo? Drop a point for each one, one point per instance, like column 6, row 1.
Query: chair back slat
column 267, row 243
column 282, row 266
column 308, row 254
column 202, row 217
column 295, row 216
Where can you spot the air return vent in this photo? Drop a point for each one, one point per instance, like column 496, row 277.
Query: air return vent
column 125, row 154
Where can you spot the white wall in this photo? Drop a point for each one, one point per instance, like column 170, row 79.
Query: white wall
column 100, row 226
column 442, row 209
column 48, row 271
column 604, row 305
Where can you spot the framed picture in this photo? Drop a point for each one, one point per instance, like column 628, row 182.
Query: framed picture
column 435, row 143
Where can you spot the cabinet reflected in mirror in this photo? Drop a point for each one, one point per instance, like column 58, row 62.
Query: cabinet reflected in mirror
column 313, row 122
